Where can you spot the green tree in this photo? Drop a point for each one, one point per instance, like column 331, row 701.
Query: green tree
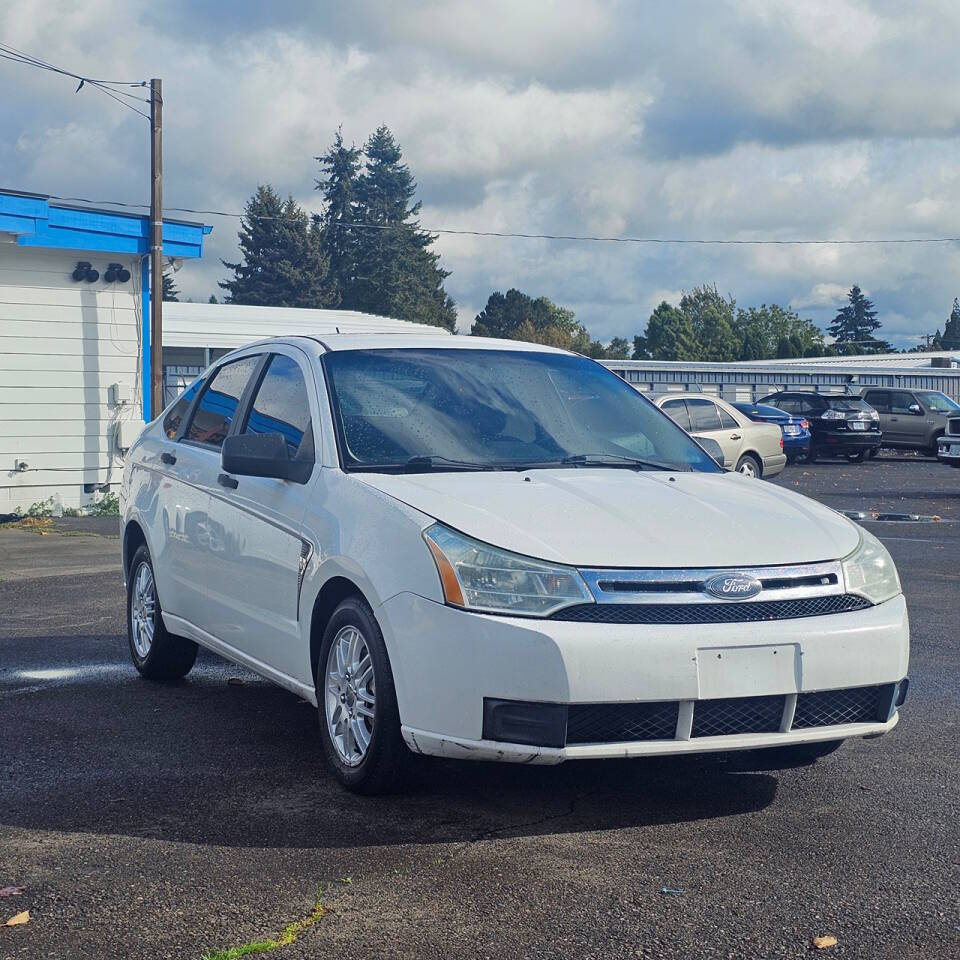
column 397, row 274
column 670, row 334
column 641, row 349
column 283, row 264
column 951, row 332
column 712, row 319
column 518, row 316
column 213, row 298
column 854, row 326
column 340, row 167
column 170, row 291
column 618, row 349
column 760, row 331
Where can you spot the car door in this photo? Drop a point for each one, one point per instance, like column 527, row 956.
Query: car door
column 196, row 463
column 705, row 422
column 908, row 424
column 880, row 401
column 254, row 584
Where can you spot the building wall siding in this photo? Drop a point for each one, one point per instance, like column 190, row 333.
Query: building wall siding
column 62, row 346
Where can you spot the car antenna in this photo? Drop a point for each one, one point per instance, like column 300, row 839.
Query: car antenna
column 337, row 329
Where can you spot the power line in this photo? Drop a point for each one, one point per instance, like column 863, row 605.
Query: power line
column 527, row 236
column 104, row 86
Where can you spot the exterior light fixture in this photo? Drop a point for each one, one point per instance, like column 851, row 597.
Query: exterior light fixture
column 84, row 271
column 116, row 273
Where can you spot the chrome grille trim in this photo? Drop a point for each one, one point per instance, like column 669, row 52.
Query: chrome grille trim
column 686, row 585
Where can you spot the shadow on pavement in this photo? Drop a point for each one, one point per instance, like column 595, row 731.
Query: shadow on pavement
column 101, row 751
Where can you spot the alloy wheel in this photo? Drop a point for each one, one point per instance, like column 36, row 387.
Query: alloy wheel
column 350, row 695
column 143, row 610
column 748, row 468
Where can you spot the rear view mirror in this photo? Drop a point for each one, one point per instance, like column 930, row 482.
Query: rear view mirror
column 712, row 448
column 263, row 455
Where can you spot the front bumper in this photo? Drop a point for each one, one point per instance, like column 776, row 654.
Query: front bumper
column 948, row 449
column 446, row 662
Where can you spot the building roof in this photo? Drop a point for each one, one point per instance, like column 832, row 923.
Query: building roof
column 34, row 220
column 219, row 325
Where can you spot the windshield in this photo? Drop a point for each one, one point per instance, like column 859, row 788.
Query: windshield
column 495, row 409
column 937, row 402
column 848, row 404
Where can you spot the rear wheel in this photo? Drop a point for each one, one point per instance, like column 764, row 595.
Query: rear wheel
column 857, row 457
column 359, row 718
column 157, row 654
column 749, row 466
column 873, row 453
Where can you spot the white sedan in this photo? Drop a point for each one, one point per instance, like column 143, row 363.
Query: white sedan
column 492, row 550
column 754, row 449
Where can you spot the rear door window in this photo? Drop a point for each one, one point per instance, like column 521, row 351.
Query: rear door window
column 281, row 405
column 703, row 415
column 726, row 421
column 174, row 418
column 878, row 399
column 676, row 410
column 218, row 406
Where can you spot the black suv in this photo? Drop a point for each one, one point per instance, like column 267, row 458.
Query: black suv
column 840, row 425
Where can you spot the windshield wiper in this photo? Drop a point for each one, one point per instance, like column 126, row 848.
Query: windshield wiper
column 615, row 460
column 433, row 462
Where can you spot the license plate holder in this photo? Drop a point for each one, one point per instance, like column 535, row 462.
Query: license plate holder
column 857, row 425
column 749, row 671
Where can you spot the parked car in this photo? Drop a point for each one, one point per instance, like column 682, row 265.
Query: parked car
column 484, row 549
column 948, row 446
column 750, row 448
column 841, row 425
column 911, row 419
column 795, row 430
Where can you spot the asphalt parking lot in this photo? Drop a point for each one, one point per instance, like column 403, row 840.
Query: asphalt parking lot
column 149, row 821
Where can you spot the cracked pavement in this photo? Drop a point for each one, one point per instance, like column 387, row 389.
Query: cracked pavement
column 160, row 822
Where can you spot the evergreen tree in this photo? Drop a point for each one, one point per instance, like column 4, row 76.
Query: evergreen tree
column 213, row 298
column 641, row 349
column 618, row 349
column 170, row 291
column 854, row 325
column 385, row 266
column 711, row 318
column 338, row 184
column 670, row 334
column 951, row 332
column 283, row 261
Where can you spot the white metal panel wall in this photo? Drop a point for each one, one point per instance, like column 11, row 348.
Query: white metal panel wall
column 62, row 346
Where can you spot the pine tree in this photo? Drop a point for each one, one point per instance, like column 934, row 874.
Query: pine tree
column 381, row 259
column 338, row 184
column 283, row 261
column 854, row 325
column 170, row 291
column 951, row 332
column 670, row 334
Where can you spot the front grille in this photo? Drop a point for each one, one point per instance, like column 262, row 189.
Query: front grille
column 720, row 612
column 621, row 722
column 856, row 705
column 716, row 718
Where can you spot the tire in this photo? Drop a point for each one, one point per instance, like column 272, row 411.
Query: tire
column 382, row 764
column 857, row 457
column 811, row 456
column 749, row 466
column 157, row 654
column 873, row 453
column 931, row 451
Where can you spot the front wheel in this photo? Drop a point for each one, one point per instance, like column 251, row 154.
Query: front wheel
column 857, row 457
column 357, row 702
column 749, row 466
column 157, row 654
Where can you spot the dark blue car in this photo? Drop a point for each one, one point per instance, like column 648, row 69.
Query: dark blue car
column 795, row 430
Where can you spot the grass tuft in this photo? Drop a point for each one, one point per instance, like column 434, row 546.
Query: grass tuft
column 290, row 934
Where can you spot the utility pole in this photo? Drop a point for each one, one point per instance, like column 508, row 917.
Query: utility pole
column 156, row 247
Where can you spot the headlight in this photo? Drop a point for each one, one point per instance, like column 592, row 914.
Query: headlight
column 831, row 415
column 869, row 570
column 476, row 576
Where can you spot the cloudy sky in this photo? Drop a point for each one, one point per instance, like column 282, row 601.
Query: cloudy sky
column 681, row 119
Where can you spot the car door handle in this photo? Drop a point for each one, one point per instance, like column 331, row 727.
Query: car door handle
column 225, row 480
column 735, row 436
column 168, row 458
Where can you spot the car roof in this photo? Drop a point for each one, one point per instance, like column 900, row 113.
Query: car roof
column 332, row 343
column 683, row 395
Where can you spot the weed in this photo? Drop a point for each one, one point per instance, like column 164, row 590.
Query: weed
column 290, row 933
column 109, row 506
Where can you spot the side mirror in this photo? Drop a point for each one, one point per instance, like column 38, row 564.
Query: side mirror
column 915, row 408
column 263, row 455
column 712, row 448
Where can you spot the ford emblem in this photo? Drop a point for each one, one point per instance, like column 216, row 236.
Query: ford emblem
column 733, row 586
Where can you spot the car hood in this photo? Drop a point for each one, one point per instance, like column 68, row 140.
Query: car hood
column 623, row 518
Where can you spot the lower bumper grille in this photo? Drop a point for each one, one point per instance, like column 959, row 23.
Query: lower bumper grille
column 632, row 722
